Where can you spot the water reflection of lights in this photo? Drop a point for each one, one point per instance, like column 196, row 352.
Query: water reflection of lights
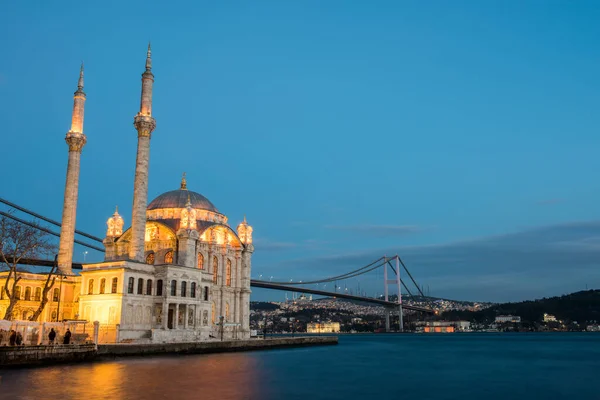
column 224, row 376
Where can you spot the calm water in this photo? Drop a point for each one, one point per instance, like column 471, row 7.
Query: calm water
column 453, row 366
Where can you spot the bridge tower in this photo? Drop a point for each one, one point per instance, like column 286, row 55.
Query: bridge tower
column 396, row 282
column 144, row 124
column 75, row 139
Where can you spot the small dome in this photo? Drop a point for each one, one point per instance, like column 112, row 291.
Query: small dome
column 179, row 199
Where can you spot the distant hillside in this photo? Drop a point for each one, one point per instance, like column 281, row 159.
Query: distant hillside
column 580, row 306
column 263, row 305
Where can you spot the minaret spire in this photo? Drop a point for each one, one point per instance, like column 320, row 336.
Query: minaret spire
column 149, row 58
column 80, row 83
column 144, row 124
column 75, row 139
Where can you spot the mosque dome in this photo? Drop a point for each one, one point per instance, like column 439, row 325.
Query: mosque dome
column 179, row 199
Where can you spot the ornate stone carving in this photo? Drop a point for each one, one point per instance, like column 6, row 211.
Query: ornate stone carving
column 245, row 232
column 188, row 216
column 144, row 124
column 76, row 141
column 115, row 225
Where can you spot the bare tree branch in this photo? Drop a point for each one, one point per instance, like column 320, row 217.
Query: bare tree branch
column 18, row 241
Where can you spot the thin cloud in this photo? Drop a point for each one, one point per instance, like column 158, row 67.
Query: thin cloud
column 269, row 245
column 534, row 263
column 378, row 230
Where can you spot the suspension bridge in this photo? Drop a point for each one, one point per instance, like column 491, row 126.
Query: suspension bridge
column 389, row 267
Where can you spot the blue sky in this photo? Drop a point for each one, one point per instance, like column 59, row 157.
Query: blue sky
column 462, row 135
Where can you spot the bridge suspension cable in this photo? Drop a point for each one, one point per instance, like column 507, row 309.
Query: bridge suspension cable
column 41, row 228
column 351, row 274
column 53, row 222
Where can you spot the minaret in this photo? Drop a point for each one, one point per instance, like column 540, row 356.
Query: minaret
column 75, row 139
column 145, row 124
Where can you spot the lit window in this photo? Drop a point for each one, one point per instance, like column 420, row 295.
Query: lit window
column 200, row 261
column 102, row 285
column 228, row 273
column 150, row 259
column 27, row 294
column 169, row 257
column 55, row 295
column 115, row 283
column 215, row 269
column 91, row 286
column 18, row 292
column 38, row 294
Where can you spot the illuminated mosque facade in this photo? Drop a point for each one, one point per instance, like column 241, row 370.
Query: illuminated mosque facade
column 179, row 273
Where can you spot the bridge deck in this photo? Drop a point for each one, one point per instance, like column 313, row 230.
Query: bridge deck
column 274, row 286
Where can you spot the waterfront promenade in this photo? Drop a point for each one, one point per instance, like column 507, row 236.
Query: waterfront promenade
column 25, row 356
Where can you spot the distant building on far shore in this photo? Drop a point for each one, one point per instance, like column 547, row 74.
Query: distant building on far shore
column 440, row 326
column 438, row 329
column 549, row 318
column 508, row 318
column 325, row 327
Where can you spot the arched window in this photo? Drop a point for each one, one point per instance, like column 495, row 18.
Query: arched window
column 215, row 269
column 102, row 285
column 115, row 283
column 213, row 313
column 183, row 288
column 226, row 312
column 27, row 294
column 228, row 273
column 173, row 288
column 150, row 259
column 200, row 261
column 55, row 294
column 193, row 289
column 169, row 257
column 38, row 294
column 149, row 287
column 18, row 293
column 205, row 293
column 140, row 286
column 159, row 287
column 91, row 286
column 54, row 316
column 130, row 285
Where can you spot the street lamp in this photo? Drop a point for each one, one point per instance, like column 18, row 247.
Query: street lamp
column 85, row 253
column 271, row 278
